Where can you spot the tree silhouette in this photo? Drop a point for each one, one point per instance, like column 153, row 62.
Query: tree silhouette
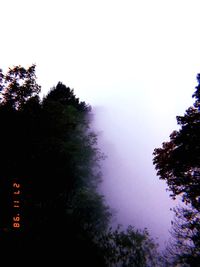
column 178, row 160
column 178, row 163
column 183, row 248
column 49, row 148
column 50, row 154
column 129, row 248
column 18, row 85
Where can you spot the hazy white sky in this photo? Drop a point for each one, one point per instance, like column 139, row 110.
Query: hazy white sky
column 134, row 61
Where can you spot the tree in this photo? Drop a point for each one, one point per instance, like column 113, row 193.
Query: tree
column 49, row 148
column 129, row 247
column 183, row 248
column 18, row 85
column 178, row 163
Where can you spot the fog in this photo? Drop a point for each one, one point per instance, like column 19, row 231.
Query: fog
column 132, row 119
column 135, row 63
column 129, row 179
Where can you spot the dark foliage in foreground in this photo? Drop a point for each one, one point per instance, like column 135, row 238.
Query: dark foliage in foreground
column 178, row 163
column 51, row 211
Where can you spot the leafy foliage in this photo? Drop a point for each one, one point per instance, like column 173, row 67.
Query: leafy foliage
column 178, row 163
column 183, row 248
column 129, row 247
column 18, row 85
column 47, row 146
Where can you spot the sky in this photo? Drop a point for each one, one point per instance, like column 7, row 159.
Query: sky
column 135, row 62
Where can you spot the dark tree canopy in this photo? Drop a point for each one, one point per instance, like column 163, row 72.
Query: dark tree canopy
column 49, row 148
column 18, row 85
column 178, row 163
column 184, row 246
column 130, row 248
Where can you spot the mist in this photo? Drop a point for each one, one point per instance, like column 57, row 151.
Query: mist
column 129, row 127
column 129, row 183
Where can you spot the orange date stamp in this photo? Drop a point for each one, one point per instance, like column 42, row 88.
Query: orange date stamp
column 16, row 219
